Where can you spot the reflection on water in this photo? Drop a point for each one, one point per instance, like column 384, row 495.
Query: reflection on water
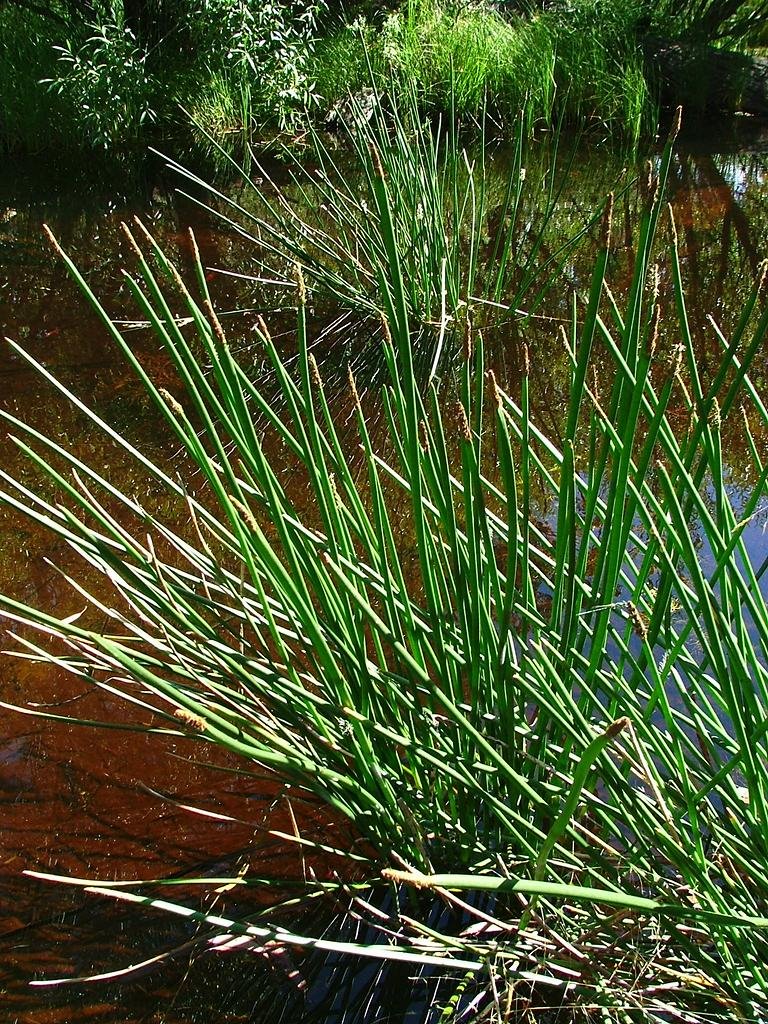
column 90, row 803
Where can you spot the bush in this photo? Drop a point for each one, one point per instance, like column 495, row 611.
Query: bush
column 31, row 117
column 123, row 67
column 265, row 45
column 105, row 79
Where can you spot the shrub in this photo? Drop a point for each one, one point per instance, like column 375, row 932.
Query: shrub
column 265, row 44
column 122, row 67
column 30, row 116
column 105, row 79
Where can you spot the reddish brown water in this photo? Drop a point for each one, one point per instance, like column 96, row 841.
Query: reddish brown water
column 81, row 802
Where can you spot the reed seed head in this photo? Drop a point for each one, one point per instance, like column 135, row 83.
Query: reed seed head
column 464, row 430
column 262, row 328
column 423, row 436
column 677, row 122
column 301, row 287
column 190, row 719
column 672, row 224
column 413, row 878
column 131, row 240
column 639, row 625
column 353, row 388
column 334, row 490
column 218, row 330
column 676, row 359
column 376, row 158
column 649, row 185
column 653, row 333
column 616, row 727
column 247, row 515
column 714, row 418
column 171, row 401
column 762, row 276
column 467, row 340
column 52, row 239
column 193, row 245
column 494, row 388
column 654, row 281
column 314, row 372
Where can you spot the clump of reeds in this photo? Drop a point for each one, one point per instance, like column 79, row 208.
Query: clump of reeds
column 571, row 722
column 468, row 242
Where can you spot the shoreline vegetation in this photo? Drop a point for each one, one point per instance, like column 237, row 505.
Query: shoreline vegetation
column 109, row 76
column 523, row 665
column 547, row 735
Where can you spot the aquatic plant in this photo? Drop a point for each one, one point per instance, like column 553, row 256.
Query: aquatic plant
column 470, row 243
column 556, row 727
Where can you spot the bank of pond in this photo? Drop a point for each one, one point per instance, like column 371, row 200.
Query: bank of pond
column 107, row 77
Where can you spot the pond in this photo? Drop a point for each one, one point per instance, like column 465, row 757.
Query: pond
column 109, row 804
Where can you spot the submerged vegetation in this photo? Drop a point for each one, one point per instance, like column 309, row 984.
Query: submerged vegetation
column 105, row 74
column 553, row 723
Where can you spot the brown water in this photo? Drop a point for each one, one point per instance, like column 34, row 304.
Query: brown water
column 79, row 802
column 90, row 803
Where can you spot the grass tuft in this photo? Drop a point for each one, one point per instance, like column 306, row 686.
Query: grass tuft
column 560, row 732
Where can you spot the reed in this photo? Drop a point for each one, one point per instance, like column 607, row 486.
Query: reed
column 560, row 732
column 470, row 242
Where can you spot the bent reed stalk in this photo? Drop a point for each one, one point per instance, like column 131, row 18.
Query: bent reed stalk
column 574, row 719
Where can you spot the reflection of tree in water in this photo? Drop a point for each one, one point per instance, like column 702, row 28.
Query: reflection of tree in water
column 721, row 232
column 722, row 225
column 721, row 217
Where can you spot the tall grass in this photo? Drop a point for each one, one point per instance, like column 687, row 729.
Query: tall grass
column 570, row 721
column 599, row 68
column 582, row 64
column 466, row 56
